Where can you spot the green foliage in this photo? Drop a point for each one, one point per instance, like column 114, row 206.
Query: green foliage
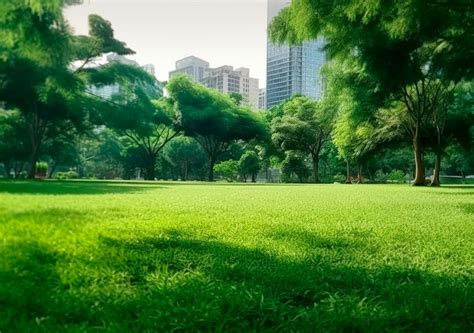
column 294, row 165
column 212, row 118
column 130, row 256
column 66, row 175
column 249, row 165
column 305, row 125
column 41, row 167
column 187, row 158
column 228, row 170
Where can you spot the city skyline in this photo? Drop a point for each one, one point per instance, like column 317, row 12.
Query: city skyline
column 222, row 32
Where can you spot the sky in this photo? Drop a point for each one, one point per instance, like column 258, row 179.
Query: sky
column 222, row 32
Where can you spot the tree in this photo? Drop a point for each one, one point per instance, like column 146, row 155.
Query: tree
column 227, row 169
column 305, row 126
column 147, row 125
column 212, row 118
column 249, row 165
column 405, row 46
column 13, row 146
column 451, row 120
column 294, row 164
column 187, row 156
column 37, row 49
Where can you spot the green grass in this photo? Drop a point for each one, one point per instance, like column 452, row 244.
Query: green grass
column 117, row 256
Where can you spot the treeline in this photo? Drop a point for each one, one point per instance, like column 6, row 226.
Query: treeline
column 375, row 122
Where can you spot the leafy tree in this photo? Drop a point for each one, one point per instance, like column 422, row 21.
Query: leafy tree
column 227, row 169
column 409, row 47
column 37, row 49
column 236, row 98
column 212, row 118
column 249, row 165
column 185, row 154
column 305, row 126
column 13, row 145
column 294, row 165
column 452, row 120
column 147, row 125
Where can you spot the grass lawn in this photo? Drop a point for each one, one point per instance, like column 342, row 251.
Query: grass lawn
column 92, row 256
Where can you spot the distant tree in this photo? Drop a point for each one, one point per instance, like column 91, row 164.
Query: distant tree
column 305, row 126
column 236, row 98
column 227, row 169
column 14, row 146
column 147, row 125
column 294, row 165
column 212, row 118
column 187, row 156
column 249, row 165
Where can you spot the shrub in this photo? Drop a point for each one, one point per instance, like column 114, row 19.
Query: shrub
column 227, row 170
column 380, row 176
column 66, row 175
column 396, row 176
column 339, row 178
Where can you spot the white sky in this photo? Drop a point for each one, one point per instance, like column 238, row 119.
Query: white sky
column 223, row 32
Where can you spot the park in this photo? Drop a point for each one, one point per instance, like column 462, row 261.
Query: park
column 167, row 256
column 339, row 197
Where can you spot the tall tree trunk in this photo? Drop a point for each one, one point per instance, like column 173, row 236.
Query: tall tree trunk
column 53, row 168
column 348, row 172
column 419, row 164
column 185, row 170
column 359, row 173
column 316, row 169
column 33, row 160
column 212, row 162
column 150, row 170
column 254, row 177
column 435, row 181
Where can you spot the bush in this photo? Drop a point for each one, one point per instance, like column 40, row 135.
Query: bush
column 41, row 169
column 227, row 170
column 66, row 175
column 380, row 176
column 339, row 178
column 396, row 176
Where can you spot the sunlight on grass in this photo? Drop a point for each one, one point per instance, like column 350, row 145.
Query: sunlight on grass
column 116, row 256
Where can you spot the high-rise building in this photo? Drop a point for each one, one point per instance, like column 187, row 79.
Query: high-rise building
column 292, row 69
column 106, row 92
column 262, row 98
column 191, row 66
column 226, row 79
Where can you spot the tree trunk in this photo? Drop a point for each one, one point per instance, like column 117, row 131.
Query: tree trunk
column 53, row 168
column 210, row 177
column 33, row 161
column 435, row 181
column 150, row 170
column 316, row 169
column 254, row 178
column 463, row 176
column 348, row 172
column 359, row 174
column 419, row 164
column 185, row 170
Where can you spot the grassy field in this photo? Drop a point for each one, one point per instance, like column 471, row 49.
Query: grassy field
column 84, row 256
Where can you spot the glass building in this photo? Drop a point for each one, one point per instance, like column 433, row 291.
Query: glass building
column 292, row 69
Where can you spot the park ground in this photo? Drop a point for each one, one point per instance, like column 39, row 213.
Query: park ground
column 125, row 256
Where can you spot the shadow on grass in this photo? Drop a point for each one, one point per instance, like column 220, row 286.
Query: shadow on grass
column 173, row 283
column 73, row 187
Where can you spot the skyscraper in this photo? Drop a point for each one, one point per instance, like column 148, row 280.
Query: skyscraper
column 226, row 79
column 192, row 66
column 292, row 69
